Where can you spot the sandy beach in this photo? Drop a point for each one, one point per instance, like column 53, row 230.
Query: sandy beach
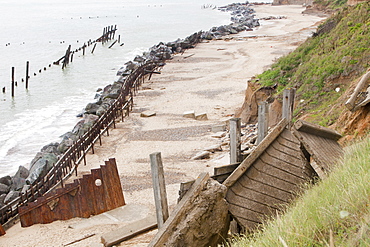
column 211, row 79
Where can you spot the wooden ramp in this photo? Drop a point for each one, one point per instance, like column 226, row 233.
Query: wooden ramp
column 93, row 194
column 268, row 178
column 321, row 144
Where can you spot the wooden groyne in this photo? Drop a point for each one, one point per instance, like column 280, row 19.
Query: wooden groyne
column 70, row 160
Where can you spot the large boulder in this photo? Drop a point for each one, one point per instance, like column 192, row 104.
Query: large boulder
column 4, row 189
column 22, row 172
column 200, row 219
column 7, row 180
column 40, row 167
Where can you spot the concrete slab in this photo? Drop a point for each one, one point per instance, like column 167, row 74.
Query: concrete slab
column 127, row 213
column 129, row 231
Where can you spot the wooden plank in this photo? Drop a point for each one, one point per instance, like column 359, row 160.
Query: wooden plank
column 225, row 169
column 288, row 143
column 268, row 185
column 264, row 197
column 124, row 233
column 255, row 154
column 286, row 157
column 280, row 173
column 325, row 152
column 245, row 202
column 286, row 149
column 317, row 130
column 281, row 164
column 247, row 214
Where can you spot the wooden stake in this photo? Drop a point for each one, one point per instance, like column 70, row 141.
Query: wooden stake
column 27, row 71
column 159, row 187
column 288, row 104
column 93, row 48
column 112, row 44
column 234, row 140
column 13, row 69
column 263, row 113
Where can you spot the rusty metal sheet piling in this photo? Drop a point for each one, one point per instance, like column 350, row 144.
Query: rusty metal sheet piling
column 92, row 194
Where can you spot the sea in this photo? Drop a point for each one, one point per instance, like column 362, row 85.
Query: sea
column 40, row 31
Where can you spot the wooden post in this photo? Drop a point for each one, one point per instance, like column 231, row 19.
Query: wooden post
column 288, row 104
column 159, row 187
column 27, row 71
column 13, row 69
column 119, row 38
column 3, row 89
column 112, row 44
column 234, row 140
column 93, row 48
column 263, row 122
column 83, row 49
column 72, row 56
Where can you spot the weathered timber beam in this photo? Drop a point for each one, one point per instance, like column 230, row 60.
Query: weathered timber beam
column 317, row 130
column 350, row 104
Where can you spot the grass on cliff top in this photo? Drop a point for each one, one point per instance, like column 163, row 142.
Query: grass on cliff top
column 334, row 212
column 337, row 54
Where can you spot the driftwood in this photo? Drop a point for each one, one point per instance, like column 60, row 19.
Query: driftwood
column 351, row 102
column 80, row 239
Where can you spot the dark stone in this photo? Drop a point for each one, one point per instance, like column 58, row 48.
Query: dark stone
column 22, row 172
column 2, row 197
column 41, row 167
column 4, row 189
column 7, row 180
column 91, row 108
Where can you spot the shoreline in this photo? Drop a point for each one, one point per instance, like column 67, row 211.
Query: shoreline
column 218, row 70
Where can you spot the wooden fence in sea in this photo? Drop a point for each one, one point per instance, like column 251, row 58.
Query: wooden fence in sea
column 70, row 160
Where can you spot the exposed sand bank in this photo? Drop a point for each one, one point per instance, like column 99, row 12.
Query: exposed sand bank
column 210, row 78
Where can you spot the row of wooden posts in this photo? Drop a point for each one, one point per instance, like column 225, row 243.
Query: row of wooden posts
column 70, row 160
column 108, row 34
column 159, row 186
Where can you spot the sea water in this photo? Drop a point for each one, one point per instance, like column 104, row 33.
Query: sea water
column 40, row 31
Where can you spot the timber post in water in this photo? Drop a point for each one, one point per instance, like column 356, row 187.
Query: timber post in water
column 13, row 69
column 27, row 71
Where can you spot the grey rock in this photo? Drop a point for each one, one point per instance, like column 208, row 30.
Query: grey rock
column 22, row 172
column 11, row 196
column 4, row 189
column 41, row 167
column 17, row 183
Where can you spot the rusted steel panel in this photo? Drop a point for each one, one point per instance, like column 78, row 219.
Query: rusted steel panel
column 81, row 198
column 99, row 193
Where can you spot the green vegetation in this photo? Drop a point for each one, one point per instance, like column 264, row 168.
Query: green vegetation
column 334, row 212
column 339, row 51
